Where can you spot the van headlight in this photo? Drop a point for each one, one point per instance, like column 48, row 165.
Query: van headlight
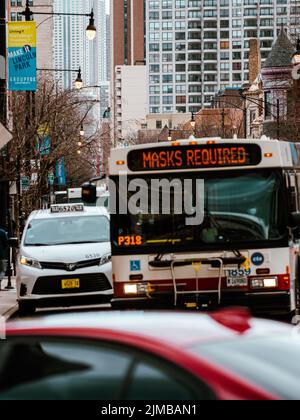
column 105, row 259
column 29, row 262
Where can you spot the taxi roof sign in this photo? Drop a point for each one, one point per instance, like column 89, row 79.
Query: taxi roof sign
column 67, row 208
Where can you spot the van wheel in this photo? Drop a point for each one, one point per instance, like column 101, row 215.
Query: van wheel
column 26, row 309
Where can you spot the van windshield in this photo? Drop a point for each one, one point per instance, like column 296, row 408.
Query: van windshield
column 67, row 230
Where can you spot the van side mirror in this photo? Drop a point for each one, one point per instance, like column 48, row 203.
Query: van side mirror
column 13, row 242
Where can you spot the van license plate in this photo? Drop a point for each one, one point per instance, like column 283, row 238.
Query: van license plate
column 70, row 284
column 237, row 282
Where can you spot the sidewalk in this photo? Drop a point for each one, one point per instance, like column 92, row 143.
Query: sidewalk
column 8, row 299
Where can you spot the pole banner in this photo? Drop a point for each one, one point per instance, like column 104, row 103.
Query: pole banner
column 22, row 56
column 60, row 172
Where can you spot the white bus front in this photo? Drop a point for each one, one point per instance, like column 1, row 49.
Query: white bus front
column 242, row 253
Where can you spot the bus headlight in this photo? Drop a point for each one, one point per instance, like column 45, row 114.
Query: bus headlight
column 105, row 259
column 138, row 289
column 262, row 283
column 130, row 289
column 30, row 263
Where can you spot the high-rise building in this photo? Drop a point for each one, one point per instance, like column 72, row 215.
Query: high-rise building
column 196, row 48
column 108, row 47
column 130, row 101
column 44, row 27
column 127, row 49
column 72, row 49
column 101, row 44
column 128, row 29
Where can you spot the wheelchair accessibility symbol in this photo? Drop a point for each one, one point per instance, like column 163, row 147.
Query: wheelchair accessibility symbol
column 135, row 265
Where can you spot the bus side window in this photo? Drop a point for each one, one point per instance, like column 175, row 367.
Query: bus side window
column 293, row 192
column 298, row 189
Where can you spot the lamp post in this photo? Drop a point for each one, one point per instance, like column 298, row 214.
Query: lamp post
column 3, row 120
column 90, row 30
column 262, row 104
column 81, row 130
column 3, row 62
column 193, row 123
column 80, row 141
column 78, row 81
column 244, row 109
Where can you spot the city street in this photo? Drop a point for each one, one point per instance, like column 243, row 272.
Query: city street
column 149, row 203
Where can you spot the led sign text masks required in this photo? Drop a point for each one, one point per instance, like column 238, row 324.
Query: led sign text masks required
column 192, row 157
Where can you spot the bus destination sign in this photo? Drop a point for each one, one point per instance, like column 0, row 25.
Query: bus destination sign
column 194, row 157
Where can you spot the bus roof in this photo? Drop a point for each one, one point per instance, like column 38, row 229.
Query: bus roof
column 204, row 154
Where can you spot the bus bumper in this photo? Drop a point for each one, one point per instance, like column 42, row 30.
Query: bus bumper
column 259, row 303
column 269, row 302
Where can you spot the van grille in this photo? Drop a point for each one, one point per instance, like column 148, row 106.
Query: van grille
column 89, row 283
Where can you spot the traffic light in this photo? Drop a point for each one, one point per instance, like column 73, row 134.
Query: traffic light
column 89, row 193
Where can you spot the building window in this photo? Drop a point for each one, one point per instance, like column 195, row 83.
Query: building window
column 268, row 105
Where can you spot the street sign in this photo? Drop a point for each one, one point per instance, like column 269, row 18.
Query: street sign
column 5, row 136
column 51, row 178
column 24, row 183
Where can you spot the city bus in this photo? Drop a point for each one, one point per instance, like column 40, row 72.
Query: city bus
column 245, row 249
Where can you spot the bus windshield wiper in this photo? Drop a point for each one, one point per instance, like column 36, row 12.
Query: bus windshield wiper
column 228, row 238
column 161, row 254
column 78, row 243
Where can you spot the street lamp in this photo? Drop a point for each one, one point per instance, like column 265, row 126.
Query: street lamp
column 90, row 30
column 296, row 55
column 79, row 81
column 193, row 121
column 80, row 142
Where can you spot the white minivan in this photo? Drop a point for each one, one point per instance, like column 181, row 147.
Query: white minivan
column 65, row 258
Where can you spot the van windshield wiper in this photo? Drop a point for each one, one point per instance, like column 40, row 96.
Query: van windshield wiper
column 38, row 244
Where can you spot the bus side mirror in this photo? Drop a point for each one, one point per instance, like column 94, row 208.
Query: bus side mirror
column 13, row 242
column 296, row 218
column 89, row 193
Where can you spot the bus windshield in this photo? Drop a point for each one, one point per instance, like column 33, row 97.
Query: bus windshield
column 241, row 207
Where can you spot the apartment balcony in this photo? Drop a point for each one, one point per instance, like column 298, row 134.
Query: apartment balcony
column 194, row 36
column 194, row 46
